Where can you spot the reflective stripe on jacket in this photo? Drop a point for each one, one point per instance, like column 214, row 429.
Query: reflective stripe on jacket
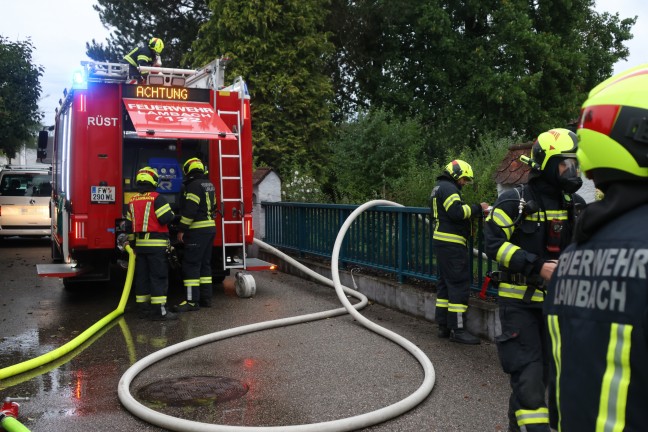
column 517, row 247
column 144, row 215
column 597, row 315
column 197, row 205
column 451, row 214
column 140, row 56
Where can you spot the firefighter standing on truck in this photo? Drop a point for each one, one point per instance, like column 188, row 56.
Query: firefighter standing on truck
column 525, row 233
column 197, row 229
column 146, row 220
column 147, row 55
column 599, row 337
column 451, row 233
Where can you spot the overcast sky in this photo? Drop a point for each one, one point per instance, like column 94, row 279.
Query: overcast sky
column 59, row 30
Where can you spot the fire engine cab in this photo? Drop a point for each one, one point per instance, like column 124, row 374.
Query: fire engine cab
column 109, row 126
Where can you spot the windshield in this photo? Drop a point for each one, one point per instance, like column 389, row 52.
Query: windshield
column 26, row 184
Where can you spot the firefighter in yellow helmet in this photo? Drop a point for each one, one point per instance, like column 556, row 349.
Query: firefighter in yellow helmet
column 597, row 305
column 450, row 239
column 145, row 55
column 197, row 229
column 525, row 233
column 146, row 222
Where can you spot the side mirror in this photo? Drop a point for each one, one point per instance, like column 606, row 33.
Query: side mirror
column 41, row 154
column 43, row 136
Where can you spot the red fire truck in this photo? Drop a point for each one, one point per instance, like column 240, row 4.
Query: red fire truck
column 108, row 127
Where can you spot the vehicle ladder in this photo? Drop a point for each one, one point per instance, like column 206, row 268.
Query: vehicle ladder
column 233, row 193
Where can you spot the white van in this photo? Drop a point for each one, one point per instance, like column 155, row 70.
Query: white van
column 25, row 193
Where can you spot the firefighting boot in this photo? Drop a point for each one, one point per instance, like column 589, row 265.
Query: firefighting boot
column 143, row 310
column 206, row 295
column 464, row 337
column 161, row 313
column 443, row 332
column 186, row 306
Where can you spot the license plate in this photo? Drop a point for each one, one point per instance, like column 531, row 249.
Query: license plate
column 102, row 194
column 21, row 210
column 30, row 210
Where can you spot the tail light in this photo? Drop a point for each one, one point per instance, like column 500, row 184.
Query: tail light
column 78, row 224
column 249, row 232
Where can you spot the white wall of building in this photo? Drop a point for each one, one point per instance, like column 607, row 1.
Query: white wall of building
column 23, row 157
column 269, row 189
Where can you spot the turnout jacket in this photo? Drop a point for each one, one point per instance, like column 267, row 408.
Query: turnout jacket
column 140, row 56
column 543, row 231
column 197, row 205
column 146, row 220
column 452, row 215
column 597, row 314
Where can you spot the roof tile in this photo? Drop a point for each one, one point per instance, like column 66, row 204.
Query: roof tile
column 511, row 170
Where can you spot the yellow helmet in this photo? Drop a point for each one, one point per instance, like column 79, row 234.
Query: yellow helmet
column 555, row 142
column 613, row 129
column 192, row 165
column 147, row 175
column 459, row 169
column 156, row 45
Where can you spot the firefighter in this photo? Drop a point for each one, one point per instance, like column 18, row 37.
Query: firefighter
column 196, row 230
column 599, row 337
column 450, row 239
column 146, row 220
column 146, row 55
column 525, row 232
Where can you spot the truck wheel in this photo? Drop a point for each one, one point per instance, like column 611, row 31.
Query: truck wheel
column 245, row 285
column 72, row 285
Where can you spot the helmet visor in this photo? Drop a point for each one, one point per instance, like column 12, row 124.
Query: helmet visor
column 569, row 167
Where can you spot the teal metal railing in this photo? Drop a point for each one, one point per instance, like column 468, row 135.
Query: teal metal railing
column 397, row 240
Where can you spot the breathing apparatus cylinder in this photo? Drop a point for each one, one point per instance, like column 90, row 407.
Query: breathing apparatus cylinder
column 524, row 207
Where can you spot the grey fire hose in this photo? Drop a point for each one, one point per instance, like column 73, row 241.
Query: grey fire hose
column 346, row 424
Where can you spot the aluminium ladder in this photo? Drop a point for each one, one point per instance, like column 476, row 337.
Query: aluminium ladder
column 238, row 214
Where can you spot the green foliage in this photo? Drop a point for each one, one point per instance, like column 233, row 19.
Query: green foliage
column 485, row 159
column 472, row 68
column 280, row 48
column 414, row 187
column 20, row 91
column 370, row 99
column 302, row 187
column 176, row 22
column 371, row 155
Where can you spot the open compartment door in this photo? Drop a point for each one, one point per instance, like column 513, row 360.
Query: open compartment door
column 176, row 119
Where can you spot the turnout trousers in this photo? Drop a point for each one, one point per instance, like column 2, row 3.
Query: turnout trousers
column 524, row 354
column 196, row 265
column 151, row 275
column 453, row 286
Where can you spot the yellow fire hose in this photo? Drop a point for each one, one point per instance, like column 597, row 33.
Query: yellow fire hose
column 80, row 339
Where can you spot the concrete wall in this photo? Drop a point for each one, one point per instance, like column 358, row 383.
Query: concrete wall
column 482, row 316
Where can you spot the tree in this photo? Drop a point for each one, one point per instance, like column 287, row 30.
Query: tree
column 20, row 92
column 176, row 22
column 472, row 67
column 280, row 48
column 372, row 154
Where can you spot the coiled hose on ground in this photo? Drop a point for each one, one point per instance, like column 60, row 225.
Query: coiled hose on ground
column 346, row 424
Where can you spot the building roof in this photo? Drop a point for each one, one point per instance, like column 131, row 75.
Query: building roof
column 259, row 174
column 511, row 170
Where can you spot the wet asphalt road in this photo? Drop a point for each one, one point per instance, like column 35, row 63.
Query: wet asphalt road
column 306, row 373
